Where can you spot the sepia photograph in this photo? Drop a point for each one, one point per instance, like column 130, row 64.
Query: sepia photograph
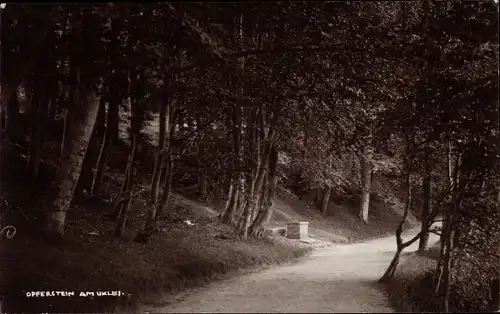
column 250, row 157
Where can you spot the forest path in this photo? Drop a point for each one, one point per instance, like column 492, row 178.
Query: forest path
column 342, row 278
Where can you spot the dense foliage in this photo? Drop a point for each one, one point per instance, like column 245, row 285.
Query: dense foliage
column 255, row 97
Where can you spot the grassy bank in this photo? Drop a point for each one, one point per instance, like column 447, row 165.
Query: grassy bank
column 411, row 289
column 181, row 256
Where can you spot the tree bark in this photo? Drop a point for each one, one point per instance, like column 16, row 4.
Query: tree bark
column 68, row 172
column 261, row 198
column 100, row 124
column 227, row 216
column 366, row 185
column 426, row 205
column 165, row 111
column 72, row 104
column 266, row 211
column 92, row 156
column 326, row 200
column 112, row 120
column 127, row 189
column 389, row 273
column 202, row 181
column 257, row 184
column 447, row 264
column 168, row 169
column 167, row 187
column 231, row 205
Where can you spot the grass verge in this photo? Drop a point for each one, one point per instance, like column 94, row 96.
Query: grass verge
column 180, row 257
column 411, row 289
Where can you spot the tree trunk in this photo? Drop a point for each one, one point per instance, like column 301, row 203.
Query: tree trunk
column 426, row 206
column 265, row 212
column 168, row 169
column 100, row 124
column 447, row 264
column 122, row 216
column 164, row 117
column 73, row 103
column 253, row 194
column 92, row 156
column 227, row 216
column 389, row 273
column 68, row 172
column 326, row 200
column 366, row 185
column 126, row 189
column 167, row 187
column 231, row 205
column 112, row 120
column 202, row 184
column 261, row 198
column 438, row 273
column 251, row 203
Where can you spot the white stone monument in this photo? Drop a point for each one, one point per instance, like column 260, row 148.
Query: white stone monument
column 298, row 230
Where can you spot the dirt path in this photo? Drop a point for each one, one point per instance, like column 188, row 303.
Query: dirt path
column 335, row 279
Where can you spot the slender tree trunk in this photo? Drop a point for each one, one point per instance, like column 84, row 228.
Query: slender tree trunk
column 438, row 273
column 128, row 190
column 65, row 128
column 167, row 187
column 366, row 185
column 112, row 120
column 231, row 205
column 68, row 172
column 389, row 273
column 261, row 198
column 227, row 216
column 164, row 117
column 73, row 103
column 100, row 124
column 426, row 206
column 125, row 187
column 326, row 200
column 202, row 183
column 168, row 169
column 447, row 265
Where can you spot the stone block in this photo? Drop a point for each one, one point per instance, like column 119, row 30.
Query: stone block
column 298, row 230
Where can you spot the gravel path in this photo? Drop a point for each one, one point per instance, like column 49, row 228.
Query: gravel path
column 341, row 278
